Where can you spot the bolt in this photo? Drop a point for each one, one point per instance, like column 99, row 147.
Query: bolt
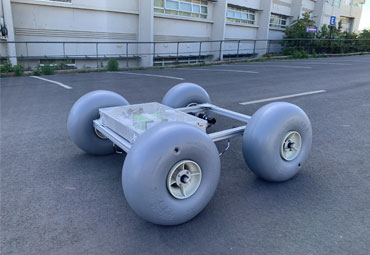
column 185, row 179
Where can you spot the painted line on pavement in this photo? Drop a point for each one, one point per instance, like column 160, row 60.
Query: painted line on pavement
column 283, row 66
column 321, row 63
column 51, row 81
column 219, row 70
column 152, row 75
column 283, row 97
column 352, row 60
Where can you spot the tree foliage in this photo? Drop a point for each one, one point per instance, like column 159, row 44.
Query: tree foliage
column 298, row 27
column 297, row 30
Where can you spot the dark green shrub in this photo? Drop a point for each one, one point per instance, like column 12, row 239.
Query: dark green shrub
column 314, row 55
column 297, row 54
column 288, row 51
column 6, row 67
column 47, row 69
column 60, row 65
column 304, row 54
column 37, row 71
column 112, row 65
column 18, row 70
column 300, row 54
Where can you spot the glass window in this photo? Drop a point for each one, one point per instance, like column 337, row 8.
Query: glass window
column 204, row 9
column 240, row 15
column 185, row 7
column 173, row 5
column 189, row 8
column 64, row 1
column 196, row 8
column 159, row 3
column 278, row 21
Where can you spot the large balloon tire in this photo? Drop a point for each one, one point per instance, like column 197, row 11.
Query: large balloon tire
column 263, row 138
column 185, row 94
column 80, row 121
column 148, row 165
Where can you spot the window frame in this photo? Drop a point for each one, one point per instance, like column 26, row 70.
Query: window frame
column 250, row 15
column 279, row 18
column 201, row 6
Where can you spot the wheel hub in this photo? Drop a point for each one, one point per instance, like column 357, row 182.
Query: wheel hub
column 100, row 135
column 291, row 146
column 184, row 179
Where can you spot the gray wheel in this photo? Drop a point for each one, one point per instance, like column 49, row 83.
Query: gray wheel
column 185, row 94
column 171, row 173
column 277, row 141
column 80, row 121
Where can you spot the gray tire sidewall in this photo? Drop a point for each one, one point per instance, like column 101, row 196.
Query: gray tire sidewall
column 148, row 163
column 183, row 94
column 264, row 135
column 80, row 120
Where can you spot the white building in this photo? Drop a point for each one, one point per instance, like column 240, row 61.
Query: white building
column 165, row 21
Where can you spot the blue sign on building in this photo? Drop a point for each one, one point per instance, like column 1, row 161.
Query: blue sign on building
column 332, row 20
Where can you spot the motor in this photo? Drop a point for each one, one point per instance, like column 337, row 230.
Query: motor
column 211, row 121
column 204, row 116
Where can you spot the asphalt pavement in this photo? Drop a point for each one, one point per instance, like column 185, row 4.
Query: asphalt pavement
column 55, row 199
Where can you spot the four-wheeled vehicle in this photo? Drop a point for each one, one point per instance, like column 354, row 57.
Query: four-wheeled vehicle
column 172, row 166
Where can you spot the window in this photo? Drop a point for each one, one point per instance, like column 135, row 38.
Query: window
column 335, row 3
column 240, row 15
column 278, row 21
column 358, row 3
column 345, row 20
column 190, row 8
column 64, row 1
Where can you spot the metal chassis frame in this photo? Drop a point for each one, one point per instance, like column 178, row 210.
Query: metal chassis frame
column 216, row 136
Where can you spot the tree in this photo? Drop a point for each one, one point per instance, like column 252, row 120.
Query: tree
column 298, row 27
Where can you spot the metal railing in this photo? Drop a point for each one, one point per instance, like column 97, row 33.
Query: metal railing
column 176, row 50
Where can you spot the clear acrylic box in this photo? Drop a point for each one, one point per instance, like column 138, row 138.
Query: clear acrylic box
column 132, row 120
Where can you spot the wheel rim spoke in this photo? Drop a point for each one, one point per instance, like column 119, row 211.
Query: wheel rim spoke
column 291, row 146
column 184, row 179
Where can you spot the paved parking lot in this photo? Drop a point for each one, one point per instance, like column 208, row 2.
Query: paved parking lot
column 55, row 199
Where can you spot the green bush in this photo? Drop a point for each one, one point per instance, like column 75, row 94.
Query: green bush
column 60, row 65
column 314, row 55
column 37, row 71
column 18, row 70
column 297, row 54
column 6, row 67
column 47, row 69
column 112, row 65
column 304, row 54
column 288, row 51
column 300, row 54
column 321, row 42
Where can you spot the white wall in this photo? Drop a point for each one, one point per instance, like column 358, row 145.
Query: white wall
column 282, row 7
column 41, row 22
column 239, row 32
column 255, row 4
column 173, row 29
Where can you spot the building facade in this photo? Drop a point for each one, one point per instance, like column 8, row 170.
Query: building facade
column 164, row 21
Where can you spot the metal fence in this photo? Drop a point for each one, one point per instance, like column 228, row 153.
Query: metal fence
column 175, row 52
